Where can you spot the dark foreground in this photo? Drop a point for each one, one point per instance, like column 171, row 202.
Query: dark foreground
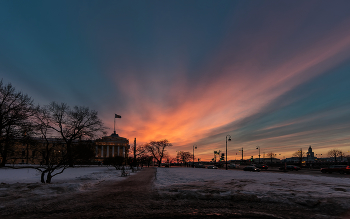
column 136, row 198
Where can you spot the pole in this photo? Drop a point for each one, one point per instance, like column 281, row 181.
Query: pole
column 226, row 147
column 226, row 152
column 134, row 151
column 194, row 147
column 259, row 154
column 193, row 156
column 242, row 154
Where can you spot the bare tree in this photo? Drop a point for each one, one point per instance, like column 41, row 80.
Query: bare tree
column 335, row 153
column 300, row 154
column 52, row 150
column 271, row 156
column 15, row 111
column 72, row 124
column 145, row 160
column 157, row 149
column 183, row 156
column 117, row 162
column 140, row 153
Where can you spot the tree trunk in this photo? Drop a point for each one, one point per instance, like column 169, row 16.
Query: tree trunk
column 48, row 178
column 42, row 177
column 4, row 158
column 70, row 156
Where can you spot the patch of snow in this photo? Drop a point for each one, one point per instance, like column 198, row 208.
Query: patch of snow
column 23, row 183
column 279, row 187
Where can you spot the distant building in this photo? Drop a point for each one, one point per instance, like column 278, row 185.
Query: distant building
column 310, row 156
column 111, row 146
column 34, row 152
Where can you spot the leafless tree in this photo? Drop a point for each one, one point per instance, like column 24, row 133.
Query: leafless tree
column 52, row 150
column 145, row 160
column 117, row 162
column 158, row 149
column 72, row 124
column 142, row 154
column 184, row 156
column 300, row 154
column 271, row 156
column 335, row 153
column 15, row 111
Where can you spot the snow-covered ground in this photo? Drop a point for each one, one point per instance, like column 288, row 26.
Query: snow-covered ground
column 20, row 184
column 24, row 184
column 272, row 187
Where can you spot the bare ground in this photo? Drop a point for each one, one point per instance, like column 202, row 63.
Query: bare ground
column 135, row 197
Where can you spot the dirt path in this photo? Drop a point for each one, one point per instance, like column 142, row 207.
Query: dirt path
column 122, row 199
column 135, row 197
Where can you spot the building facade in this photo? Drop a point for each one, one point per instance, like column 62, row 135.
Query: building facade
column 35, row 151
column 111, row 146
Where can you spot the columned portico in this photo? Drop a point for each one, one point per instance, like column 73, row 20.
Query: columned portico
column 119, row 146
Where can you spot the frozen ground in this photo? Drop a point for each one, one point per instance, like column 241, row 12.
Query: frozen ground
column 18, row 185
column 270, row 187
column 181, row 192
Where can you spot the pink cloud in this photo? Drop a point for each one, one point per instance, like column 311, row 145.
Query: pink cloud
column 184, row 113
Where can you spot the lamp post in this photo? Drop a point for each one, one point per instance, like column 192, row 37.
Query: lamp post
column 194, row 147
column 229, row 138
column 242, row 154
column 258, row 147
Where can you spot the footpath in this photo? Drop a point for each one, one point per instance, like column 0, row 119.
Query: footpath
column 136, row 198
column 110, row 200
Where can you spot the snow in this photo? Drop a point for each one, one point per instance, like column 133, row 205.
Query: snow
column 30, row 175
column 24, row 183
column 275, row 187
column 186, row 182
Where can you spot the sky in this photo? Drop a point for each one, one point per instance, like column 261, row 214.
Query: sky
column 273, row 74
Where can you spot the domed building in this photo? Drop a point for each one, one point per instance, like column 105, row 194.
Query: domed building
column 111, row 146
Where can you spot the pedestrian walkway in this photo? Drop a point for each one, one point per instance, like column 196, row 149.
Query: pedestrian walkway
column 122, row 199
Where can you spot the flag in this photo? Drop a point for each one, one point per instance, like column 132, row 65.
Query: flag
column 117, row 116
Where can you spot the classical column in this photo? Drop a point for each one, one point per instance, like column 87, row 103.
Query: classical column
column 101, row 150
column 118, row 151
column 107, row 151
column 123, row 151
column 113, row 151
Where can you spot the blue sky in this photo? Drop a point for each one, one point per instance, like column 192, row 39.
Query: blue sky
column 268, row 73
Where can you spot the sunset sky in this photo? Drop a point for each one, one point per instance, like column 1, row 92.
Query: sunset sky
column 274, row 74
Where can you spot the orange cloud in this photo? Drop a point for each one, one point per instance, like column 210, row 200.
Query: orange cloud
column 184, row 113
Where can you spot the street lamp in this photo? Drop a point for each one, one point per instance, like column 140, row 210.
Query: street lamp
column 258, row 147
column 229, row 138
column 194, row 147
column 242, row 154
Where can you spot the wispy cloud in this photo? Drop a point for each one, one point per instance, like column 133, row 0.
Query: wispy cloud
column 236, row 94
